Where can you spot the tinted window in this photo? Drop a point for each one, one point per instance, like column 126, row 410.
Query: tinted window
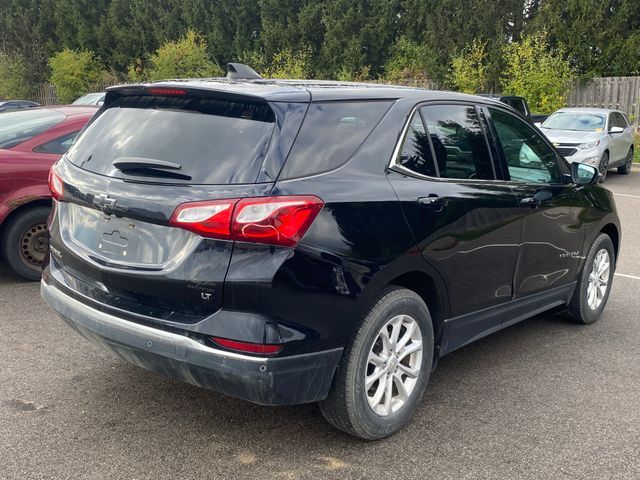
column 528, row 157
column 516, row 103
column 330, row 135
column 59, row 146
column 20, row 126
column 458, row 142
column 416, row 150
column 214, row 141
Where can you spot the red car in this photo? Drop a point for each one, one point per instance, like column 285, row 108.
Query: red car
column 30, row 142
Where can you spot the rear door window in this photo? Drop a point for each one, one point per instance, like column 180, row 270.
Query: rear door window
column 458, row 142
column 207, row 140
column 20, row 126
column 331, row 134
column 58, row 146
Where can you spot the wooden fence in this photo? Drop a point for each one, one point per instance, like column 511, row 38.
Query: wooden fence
column 620, row 93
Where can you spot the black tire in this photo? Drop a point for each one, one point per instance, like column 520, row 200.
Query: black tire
column 21, row 242
column 347, row 407
column 626, row 168
column 603, row 168
column 578, row 309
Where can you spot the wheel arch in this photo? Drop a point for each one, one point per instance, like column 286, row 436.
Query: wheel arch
column 612, row 231
column 37, row 202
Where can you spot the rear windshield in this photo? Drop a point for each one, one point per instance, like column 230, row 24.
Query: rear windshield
column 207, row 140
column 330, row 135
column 20, row 126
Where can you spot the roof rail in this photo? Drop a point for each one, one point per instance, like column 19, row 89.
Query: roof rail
column 239, row 71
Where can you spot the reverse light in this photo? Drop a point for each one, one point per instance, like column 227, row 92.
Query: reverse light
column 259, row 348
column 56, row 186
column 280, row 220
column 209, row 219
column 589, row 145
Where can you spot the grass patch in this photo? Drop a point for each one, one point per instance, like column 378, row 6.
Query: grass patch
column 636, row 148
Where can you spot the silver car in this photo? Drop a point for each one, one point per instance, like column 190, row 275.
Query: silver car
column 595, row 136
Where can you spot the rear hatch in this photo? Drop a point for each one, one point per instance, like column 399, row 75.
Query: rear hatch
column 150, row 150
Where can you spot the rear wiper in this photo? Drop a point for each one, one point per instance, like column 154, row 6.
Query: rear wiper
column 131, row 163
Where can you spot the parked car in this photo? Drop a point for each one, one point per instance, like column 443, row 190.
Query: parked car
column 289, row 242
column 9, row 105
column 95, row 98
column 517, row 103
column 30, row 142
column 596, row 136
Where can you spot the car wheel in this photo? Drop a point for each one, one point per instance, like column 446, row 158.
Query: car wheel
column 385, row 368
column 24, row 242
column 594, row 283
column 626, row 168
column 604, row 166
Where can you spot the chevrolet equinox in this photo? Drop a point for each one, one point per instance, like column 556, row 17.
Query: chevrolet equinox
column 286, row 242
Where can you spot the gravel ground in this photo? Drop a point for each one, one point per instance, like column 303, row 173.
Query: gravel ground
column 542, row 399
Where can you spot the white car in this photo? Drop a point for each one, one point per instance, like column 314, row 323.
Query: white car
column 596, row 136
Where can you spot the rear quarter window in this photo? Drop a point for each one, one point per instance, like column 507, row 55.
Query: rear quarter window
column 330, row 135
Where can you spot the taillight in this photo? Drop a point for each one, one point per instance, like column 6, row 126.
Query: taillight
column 209, row 219
column 56, row 186
column 275, row 220
column 259, row 348
column 281, row 220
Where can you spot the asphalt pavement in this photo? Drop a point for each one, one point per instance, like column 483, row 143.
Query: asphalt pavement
column 544, row 399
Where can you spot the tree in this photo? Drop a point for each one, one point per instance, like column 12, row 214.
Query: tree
column 538, row 72
column 74, row 73
column 184, row 58
column 288, row 64
column 13, row 77
column 600, row 38
column 409, row 59
column 469, row 69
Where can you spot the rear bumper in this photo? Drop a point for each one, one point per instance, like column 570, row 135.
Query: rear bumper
column 266, row 381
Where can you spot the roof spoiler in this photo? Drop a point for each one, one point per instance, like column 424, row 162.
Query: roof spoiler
column 239, row 71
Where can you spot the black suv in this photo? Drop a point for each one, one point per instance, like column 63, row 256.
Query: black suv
column 287, row 242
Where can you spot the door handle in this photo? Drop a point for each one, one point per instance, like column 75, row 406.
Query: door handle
column 536, row 200
column 433, row 200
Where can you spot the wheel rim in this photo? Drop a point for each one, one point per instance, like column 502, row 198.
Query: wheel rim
column 604, row 166
column 598, row 279
column 33, row 245
column 393, row 365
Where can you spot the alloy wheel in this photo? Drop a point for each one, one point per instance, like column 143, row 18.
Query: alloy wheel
column 598, row 279
column 393, row 365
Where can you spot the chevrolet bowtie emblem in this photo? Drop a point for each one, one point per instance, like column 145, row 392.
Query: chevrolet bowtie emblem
column 103, row 201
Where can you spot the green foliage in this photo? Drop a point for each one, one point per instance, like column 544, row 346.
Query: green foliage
column 13, row 77
column 73, row 73
column 538, row 72
column 409, row 59
column 184, row 58
column 469, row 69
column 289, row 64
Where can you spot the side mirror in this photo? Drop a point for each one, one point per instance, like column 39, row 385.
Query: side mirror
column 583, row 174
column 614, row 130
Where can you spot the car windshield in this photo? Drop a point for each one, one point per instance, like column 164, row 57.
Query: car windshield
column 19, row 126
column 579, row 122
column 89, row 99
